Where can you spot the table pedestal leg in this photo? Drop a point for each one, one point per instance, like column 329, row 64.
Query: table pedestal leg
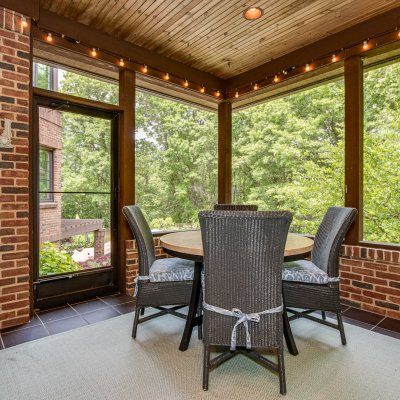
column 287, row 331
column 192, row 320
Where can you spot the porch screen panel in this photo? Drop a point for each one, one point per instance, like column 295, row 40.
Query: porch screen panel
column 288, row 154
column 382, row 154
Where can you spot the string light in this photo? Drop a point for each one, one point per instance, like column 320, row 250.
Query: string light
column 308, row 67
column 365, row 45
column 121, row 62
column 166, row 76
column 202, row 89
column 276, row 79
column 218, row 93
column 334, row 58
column 49, row 37
column 24, row 22
column 255, row 87
column 145, row 69
column 93, row 52
column 186, row 83
column 237, row 94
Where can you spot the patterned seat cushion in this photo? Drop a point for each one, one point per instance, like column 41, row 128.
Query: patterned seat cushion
column 171, row 270
column 305, row 271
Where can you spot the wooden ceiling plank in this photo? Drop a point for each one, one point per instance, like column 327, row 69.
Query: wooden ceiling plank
column 146, row 26
column 186, row 7
column 149, row 14
column 248, row 31
column 220, row 25
column 194, row 25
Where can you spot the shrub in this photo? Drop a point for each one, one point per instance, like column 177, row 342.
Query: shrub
column 54, row 261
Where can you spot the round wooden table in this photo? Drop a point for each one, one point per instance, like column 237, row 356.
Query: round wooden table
column 188, row 245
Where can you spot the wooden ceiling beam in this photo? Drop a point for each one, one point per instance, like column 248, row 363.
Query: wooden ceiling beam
column 368, row 29
column 29, row 8
column 54, row 23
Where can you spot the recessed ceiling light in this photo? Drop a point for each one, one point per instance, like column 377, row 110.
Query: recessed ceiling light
column 253, row 13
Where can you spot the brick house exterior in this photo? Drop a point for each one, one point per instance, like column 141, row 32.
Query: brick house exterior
column 50, row 128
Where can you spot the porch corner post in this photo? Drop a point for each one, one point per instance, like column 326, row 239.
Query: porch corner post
column 353, row 157
column 225, row 152
column 126, row 165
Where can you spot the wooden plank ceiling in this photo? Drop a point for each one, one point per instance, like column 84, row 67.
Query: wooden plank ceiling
column 212, row 35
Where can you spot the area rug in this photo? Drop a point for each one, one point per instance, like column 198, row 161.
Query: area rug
column 102, row 361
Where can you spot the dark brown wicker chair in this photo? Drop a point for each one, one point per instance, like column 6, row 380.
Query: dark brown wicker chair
column 314, row 285
column 162, row 282
column 235, row 207
column 243, row 258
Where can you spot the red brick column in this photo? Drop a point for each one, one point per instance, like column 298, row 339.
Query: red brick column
column 132, row 262
column 14, row 171
column 370, row 279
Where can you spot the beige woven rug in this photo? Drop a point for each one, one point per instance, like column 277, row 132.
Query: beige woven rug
column 101, row 361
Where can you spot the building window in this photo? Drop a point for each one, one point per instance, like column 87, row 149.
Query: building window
column 46, row 175
column 381, row 222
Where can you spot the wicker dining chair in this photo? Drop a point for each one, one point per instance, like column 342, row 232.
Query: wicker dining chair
column 235, row 207
column 314, row 284
column 242, row 285
column 161, row 282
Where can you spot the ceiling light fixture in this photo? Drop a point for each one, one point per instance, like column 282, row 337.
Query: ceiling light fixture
column 253, row 13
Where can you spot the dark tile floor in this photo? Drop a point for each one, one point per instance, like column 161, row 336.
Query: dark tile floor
column 75, row 315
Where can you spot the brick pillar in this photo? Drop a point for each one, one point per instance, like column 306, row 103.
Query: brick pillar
column 14, row 170
column 99, row 242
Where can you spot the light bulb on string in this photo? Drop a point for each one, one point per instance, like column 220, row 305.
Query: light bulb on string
column 218, row 93
column 24, row 22
column 365, row 45
column 186, row 83
column 256, row 87
column 145, row 69
column 121, row 62
column 334, row 58
column 202, row 89
column 49, row 37
column 93, row 52
column 237, row 94
column 308, row 67
column 166, row 76
column 276, row 79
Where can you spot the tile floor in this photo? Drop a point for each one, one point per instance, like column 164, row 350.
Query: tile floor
column 75, row 315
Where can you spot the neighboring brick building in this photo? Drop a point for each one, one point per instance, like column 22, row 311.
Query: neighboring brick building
column 50, row 129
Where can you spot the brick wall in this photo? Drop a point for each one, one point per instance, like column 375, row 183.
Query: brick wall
column 14, row 171
column 132, row 262
column 370, row 279
column 50, row 129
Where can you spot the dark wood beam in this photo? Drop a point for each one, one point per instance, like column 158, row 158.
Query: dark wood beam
column 29, row 8
column 353, row 155
column 225, row 152
column 126, row 164
column 93, row 38
column 375, row 26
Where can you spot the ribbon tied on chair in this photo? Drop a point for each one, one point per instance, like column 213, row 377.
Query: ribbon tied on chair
column 242, row 319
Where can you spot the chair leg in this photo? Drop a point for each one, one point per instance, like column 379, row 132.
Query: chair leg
column 323, row 314
column 136, row 321
column 281, row 370
column 206, row 366
column 142, row 311
column 341, row 328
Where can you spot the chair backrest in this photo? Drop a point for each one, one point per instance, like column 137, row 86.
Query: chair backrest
column 144, row 238
column 329, row 238
column 235, row 207
column 243, row 258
